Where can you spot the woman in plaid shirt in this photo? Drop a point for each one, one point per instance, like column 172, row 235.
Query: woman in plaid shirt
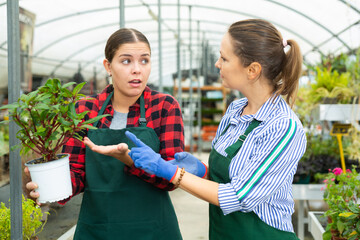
column 121, row 201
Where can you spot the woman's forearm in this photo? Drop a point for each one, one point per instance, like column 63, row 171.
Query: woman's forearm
column 202, row 188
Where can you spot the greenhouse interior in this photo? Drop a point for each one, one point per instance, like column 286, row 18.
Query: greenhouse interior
column 180, row 76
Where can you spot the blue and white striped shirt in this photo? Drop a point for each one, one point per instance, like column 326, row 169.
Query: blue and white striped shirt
column 262, row 171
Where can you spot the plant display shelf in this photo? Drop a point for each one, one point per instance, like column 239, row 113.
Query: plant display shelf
column 316, row 227
column 339, row 112
column 302, row 193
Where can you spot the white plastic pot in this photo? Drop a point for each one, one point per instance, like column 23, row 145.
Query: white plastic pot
column 53, row 178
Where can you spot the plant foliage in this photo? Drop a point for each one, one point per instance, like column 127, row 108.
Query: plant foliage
column 32, row 216
column 47, row 118
column 342, row 195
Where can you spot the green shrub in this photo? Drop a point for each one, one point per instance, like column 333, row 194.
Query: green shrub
column 32, row 216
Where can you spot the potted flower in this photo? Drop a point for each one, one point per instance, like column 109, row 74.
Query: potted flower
column 342, row 193
column 31, row 220
column 47, row 118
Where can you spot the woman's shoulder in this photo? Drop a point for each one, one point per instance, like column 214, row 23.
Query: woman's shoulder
column 283, row 118
column 155, row 97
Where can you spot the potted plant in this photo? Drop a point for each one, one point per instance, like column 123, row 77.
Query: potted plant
column 336, row 87
column 31, row 220
column 47, row 118
column 342, row 193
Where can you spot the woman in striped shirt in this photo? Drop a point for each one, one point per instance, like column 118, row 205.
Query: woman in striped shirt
column 258, row 143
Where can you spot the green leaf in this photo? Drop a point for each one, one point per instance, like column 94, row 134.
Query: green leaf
column 77, row 89
column 86, row 126
column 43, row 106
column 5, row 122
column 10, row 106
column 355, row 237
column 340, row 226
column 66, row 85
column 327, row 235
column 354, row 208
column 92, row 120
column 65, row 123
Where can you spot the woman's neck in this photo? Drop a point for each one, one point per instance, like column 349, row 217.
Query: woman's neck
column 257, row 96
column 122, row 103
column 254, row 104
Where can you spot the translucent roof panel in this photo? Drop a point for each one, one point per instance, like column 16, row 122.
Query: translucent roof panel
column 71, row 35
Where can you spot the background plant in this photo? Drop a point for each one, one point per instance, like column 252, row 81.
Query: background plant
column 32, row 216
column 321, row 154
column 47, row 117
column 352, row 150
column 331, row 84
column 341, row 194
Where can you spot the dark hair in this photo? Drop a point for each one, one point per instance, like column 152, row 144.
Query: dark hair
column 120, row 37
column 256, row 40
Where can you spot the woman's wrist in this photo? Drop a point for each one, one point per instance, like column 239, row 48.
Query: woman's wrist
column 178, row 177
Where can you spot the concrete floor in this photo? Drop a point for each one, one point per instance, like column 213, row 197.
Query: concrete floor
column 192, row 215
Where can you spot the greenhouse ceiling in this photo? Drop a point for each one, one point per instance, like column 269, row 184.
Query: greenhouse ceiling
column 69, row 36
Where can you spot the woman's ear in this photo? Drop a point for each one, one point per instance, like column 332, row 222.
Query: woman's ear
column 254, row 70
column 106, row 64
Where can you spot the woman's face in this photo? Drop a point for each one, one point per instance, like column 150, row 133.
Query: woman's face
column 232, row 72
column 130, row 68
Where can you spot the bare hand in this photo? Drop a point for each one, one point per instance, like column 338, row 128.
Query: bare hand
column 31, row 186
column 119, row 151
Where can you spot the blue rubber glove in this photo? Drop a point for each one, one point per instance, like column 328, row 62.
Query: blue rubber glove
column 145, row 158
column 190, row 163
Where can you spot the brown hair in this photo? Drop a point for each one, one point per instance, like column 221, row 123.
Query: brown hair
column 120, row 37
column 256, row 40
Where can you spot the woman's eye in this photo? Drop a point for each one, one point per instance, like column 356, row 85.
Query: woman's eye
column 144, row 61
column 126, row 61
column 223, row 59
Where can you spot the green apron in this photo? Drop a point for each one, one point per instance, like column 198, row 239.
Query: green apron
column 117, row 205
column 237, row 225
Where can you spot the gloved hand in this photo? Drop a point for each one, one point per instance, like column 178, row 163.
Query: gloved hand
column 190, row 163
column 144, row 157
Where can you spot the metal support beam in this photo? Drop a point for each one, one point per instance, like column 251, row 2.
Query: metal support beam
column 179, row 77
column 199, row 52
column 160, row 47
column 122, row 13
column 13, row 31
column 191, row 84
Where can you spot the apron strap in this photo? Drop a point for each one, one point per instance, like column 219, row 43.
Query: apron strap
column 234, row 148
column 103, row 107
column 142, row 119
column 222, row 133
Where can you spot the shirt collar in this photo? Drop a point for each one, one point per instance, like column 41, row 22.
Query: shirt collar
column 265, row 110
column 260, row 115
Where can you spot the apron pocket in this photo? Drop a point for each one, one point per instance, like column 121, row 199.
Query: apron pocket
column 118, row 231
column 90, row 231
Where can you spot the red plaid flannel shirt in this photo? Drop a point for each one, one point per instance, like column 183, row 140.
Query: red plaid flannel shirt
column 163, row 114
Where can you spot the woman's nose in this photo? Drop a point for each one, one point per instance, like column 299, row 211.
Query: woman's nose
column 136, row 68
column 217, row 64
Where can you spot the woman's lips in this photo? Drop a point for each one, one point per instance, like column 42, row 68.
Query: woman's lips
column 135, row 83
